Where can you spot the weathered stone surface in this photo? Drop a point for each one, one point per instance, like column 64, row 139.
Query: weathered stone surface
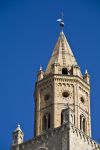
column 62, row 105
column 66, row 137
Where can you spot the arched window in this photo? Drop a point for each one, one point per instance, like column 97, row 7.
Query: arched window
column 48, row 125
column 74, row 119
column 46, row 121
column 64, row 71
column 82, row 123
column 61, row 118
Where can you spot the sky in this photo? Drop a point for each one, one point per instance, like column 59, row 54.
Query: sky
column 28, row 33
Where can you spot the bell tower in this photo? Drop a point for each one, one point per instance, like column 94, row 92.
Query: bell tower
column 60, row 86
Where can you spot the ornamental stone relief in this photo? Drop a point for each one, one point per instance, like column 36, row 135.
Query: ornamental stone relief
column 65, row 91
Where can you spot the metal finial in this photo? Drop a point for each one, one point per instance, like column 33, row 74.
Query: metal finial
column 86, row 72
column 18, row 125
column 61, row 21
column 18, row 128
column 40, row 68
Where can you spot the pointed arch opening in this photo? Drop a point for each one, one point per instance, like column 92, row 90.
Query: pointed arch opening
column 64, row 71
column 61, row 118
column 46, row 121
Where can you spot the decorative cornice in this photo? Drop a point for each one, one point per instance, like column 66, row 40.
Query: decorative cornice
column 71, row 78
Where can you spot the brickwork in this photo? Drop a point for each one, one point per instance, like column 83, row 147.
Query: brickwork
column 62, row 105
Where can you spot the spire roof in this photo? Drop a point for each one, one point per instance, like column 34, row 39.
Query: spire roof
column 62, row 54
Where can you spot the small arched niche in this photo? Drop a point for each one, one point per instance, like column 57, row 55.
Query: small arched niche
column 82, row 123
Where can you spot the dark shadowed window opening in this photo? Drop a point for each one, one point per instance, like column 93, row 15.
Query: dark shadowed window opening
column 61, row 118
column 65, row 94
column 64, row 71
column 46, row 121
column 84, row 121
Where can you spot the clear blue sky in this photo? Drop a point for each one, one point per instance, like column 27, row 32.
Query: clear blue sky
column 28, row 33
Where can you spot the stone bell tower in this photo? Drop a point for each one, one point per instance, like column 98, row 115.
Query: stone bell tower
column 60, row 86
column 18, row 136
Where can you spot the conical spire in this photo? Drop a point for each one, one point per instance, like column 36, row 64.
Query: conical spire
column 62, row 54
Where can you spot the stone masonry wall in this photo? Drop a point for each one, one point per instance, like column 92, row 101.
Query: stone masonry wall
column 66, row 137
column 54, row 139
column 80, row 141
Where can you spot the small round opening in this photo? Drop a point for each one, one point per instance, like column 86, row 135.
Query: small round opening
column 82, row 100
column 65, row 94
column 64, row 71
column 46, row 97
